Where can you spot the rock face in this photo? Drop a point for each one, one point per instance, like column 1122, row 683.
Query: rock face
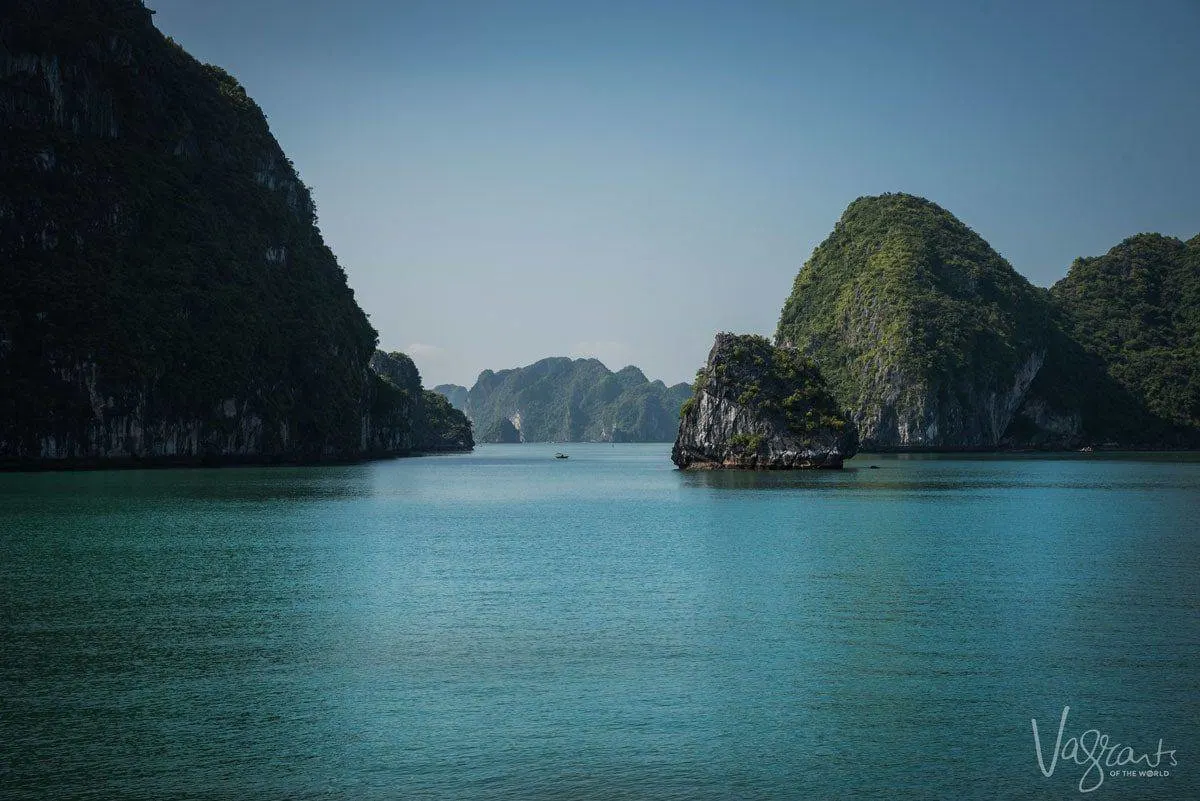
column 573, row 400
column 761, row 407
column 933, row 342
column 503, row 431
column 167, row 294
column 457, row 395
column 432, row 423
column 924, row 333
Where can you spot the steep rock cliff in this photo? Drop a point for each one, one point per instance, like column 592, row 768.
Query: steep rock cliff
column 925, row 334
column 168, row 295
column 761, row 407
column 502, row 431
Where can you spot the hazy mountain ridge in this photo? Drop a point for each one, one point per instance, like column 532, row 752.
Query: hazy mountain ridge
column 559, row 399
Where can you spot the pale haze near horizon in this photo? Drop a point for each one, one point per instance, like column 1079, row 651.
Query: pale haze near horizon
column 508, row 181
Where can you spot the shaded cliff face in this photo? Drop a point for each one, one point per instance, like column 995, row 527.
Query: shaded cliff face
column 1136, row 311
column 502, row 431
column 441, row 427
column 168, row 293
column 924, row 333
column 1123, row 363
column 565, row 400
column 760, row 407
column 457, row 395
column 420, row 419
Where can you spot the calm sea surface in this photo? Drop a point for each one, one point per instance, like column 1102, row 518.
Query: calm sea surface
column 504, row 625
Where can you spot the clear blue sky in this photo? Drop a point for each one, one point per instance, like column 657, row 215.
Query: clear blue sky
column 504, row 181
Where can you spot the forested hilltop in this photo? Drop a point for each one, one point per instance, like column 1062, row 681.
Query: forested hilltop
column 1136, row 311
column 925, row 334
column 570, row 400
column 168, row 295
column 932, row 341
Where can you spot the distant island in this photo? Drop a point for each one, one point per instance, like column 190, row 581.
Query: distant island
column 570, row 400
column 168, row 298
column 929, row 340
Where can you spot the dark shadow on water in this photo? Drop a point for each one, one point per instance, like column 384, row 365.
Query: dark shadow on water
column 945, row 473
column 764, row 479
column 1173, row 457
column 226, row 484
column 846, row 481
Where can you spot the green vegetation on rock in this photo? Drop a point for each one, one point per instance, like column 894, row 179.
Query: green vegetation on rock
column 434, row 424
column 931, row 340
column 763, row 407
column 923, row 331
column 774, row 381
column 1137, row 310
column 746, row 442
column 442, row 427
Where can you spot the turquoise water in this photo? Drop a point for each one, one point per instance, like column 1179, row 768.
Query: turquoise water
column 504, row 625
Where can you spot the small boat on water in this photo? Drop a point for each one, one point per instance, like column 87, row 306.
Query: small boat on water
column 561, row 456
column 1087, row 449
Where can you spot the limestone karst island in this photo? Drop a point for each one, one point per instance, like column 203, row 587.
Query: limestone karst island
column 170, row 300
column 928, row 340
